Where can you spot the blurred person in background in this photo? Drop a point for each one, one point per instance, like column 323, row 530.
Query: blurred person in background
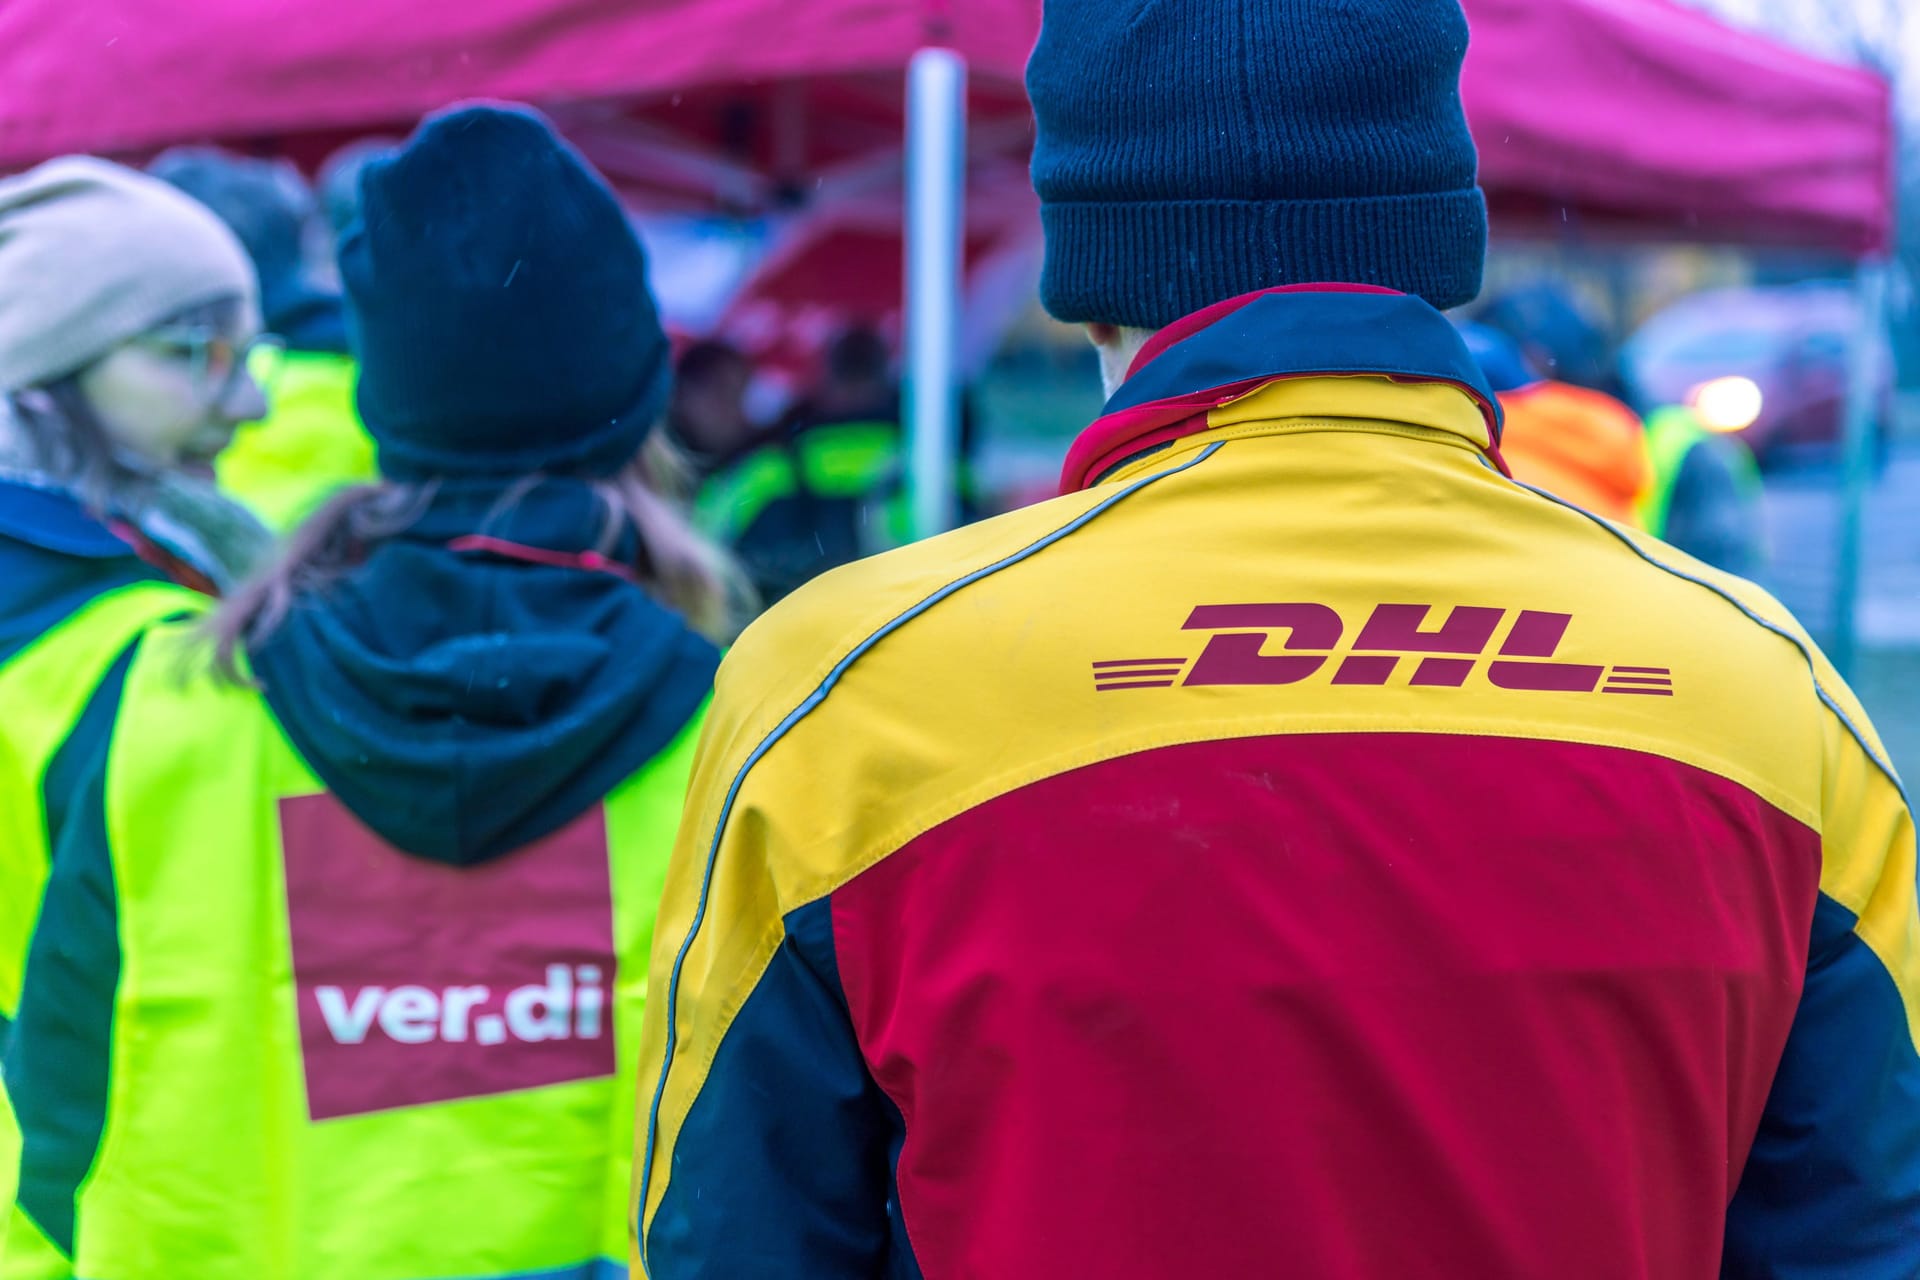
column 127, row 315
column 828, row 487
column 857, row 386
column 337, row 185
column 311, row 443
column 1297, row 849
column 1556, row 337
column 1578, row 444
column 352, row 922
column 1704, row 494
column 708, row 418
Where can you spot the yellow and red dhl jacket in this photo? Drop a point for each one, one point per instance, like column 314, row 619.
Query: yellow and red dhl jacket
column 1297, row 849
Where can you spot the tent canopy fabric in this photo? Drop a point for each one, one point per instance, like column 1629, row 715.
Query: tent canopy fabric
column 775, row 88
column 1629, row 113
column 1642, row 117
column 769, row 147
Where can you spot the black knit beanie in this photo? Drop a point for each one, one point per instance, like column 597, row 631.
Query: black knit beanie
column 1191, row 151
column 499, row 306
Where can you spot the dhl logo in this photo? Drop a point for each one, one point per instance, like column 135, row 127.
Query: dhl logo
column 1443, row 656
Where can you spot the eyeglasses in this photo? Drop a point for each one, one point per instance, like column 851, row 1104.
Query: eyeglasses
column 217, row 361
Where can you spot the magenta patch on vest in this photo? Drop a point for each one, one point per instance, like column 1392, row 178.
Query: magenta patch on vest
column 419, row 982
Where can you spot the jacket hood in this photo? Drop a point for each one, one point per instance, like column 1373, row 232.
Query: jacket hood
column 465, row 703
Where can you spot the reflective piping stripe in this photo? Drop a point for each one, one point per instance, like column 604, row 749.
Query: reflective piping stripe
column 780, row 730
column 1866, row 745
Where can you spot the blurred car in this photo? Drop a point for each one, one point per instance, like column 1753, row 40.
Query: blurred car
column 1769, row 363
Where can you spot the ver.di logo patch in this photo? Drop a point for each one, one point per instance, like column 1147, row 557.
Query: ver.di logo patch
column 1242, row 651
column 421, row 983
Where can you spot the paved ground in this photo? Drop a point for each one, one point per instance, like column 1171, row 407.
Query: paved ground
column 1803, row 515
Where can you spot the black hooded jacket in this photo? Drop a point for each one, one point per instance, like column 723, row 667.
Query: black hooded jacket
column 465, row 703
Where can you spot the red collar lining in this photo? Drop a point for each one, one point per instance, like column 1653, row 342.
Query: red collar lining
column 1112, row 439
column 177, row 570
column 1134, row 431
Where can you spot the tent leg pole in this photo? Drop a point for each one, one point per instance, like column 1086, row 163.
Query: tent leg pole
column 936, row 191
column 1862, row 411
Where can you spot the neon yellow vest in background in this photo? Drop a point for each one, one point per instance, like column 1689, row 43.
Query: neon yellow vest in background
column 43, row 690
column 1674, row 432
column 302, row 1087
column 310, row 446
column 842, row 461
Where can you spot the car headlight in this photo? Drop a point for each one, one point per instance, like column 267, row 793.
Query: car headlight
column 1727, row 404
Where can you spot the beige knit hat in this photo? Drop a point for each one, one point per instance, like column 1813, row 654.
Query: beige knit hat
column 92, row 254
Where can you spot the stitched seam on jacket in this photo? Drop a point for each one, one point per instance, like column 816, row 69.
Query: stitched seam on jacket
column 1297, row 427
column 1228, row 728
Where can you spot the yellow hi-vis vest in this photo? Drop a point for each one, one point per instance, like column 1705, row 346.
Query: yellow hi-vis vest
column 1673, row 432
column 335, row 1061
column 43, row 690
column 309, row 446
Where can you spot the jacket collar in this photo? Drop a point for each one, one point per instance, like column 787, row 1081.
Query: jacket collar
column 54, row 520
column 1236, row 347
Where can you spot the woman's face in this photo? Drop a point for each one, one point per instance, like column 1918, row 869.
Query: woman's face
column 175, row 394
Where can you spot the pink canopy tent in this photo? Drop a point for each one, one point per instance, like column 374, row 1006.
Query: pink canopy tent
column 1641, row 117
column 125, row 76
column 1632, row 112
column 1628, row 114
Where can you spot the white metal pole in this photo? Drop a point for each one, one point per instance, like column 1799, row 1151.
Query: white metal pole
column 1864, row 403
column 936, row 198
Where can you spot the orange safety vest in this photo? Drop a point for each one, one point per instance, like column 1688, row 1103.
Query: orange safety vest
column 1580, row 445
